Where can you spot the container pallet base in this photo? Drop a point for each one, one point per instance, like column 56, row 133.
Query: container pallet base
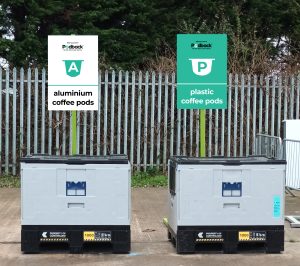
column 229, row 239
column 75, row 238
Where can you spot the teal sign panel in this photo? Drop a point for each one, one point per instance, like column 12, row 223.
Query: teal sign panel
column 201, row 71
column 276, row 207
column 73, row 67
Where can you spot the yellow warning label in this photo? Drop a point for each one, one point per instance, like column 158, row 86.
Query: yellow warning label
column 88, row 236
column 244, row 236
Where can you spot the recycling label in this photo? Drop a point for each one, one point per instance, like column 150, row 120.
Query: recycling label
column 201, row 71
column 72, row 72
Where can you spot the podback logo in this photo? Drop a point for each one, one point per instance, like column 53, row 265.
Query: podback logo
column 202, row 67
column 201, row 45
column 72, row 47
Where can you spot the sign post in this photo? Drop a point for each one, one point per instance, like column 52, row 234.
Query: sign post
column 202, row 75
column 73, row 75
column 202, row 132
column 74, row 132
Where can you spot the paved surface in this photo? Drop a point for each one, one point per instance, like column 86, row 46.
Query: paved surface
column 149, row 239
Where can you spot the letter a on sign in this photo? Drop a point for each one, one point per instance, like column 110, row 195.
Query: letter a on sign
column 73, row 67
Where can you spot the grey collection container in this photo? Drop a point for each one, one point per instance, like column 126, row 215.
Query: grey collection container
column 75, row 200
column 226, row 201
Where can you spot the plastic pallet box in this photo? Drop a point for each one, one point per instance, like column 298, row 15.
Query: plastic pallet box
column 232, row 202
column 75, row 201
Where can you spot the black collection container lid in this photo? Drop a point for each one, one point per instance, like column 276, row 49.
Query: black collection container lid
column 225, row 160
column 76, row 159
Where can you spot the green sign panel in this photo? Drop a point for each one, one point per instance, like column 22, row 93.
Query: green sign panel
column 201, row 71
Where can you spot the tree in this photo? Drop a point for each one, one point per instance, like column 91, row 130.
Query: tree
column 134, row 31
column 124, row 28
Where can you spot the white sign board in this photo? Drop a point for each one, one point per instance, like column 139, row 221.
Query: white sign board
column 72, row 72
column 292, row 129
column 292, row 152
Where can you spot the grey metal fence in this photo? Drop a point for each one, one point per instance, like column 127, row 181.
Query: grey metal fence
column 137, row 115
column 288, row 149
column 269, row 146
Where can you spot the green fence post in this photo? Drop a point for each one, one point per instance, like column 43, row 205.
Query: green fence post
column 202, row 132
column 74, row 131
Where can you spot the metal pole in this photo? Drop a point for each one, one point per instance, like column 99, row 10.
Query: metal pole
column 202, row 132
column 74, row 131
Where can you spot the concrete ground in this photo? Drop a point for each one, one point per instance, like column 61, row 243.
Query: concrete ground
column 149, row 239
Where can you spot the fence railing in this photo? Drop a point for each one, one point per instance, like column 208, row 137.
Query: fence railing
column 288, row 149
column 137, row 115
column 269, row 146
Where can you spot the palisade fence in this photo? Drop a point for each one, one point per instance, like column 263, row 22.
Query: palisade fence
column 137, row 116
